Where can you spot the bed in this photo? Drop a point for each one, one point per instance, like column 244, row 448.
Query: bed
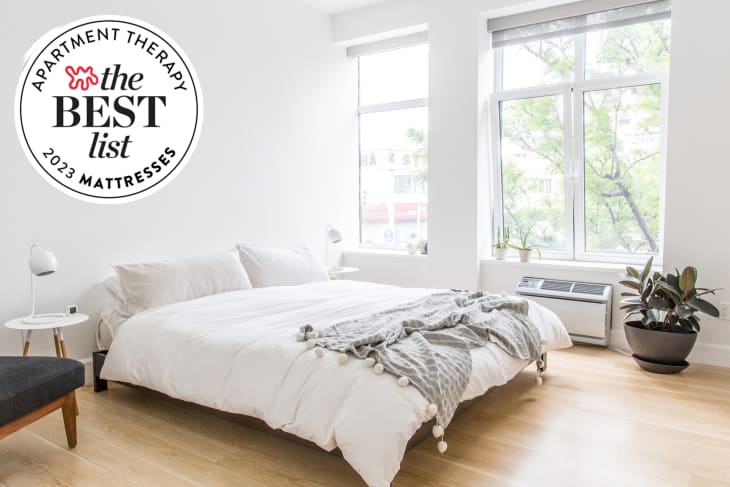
column 237, row 352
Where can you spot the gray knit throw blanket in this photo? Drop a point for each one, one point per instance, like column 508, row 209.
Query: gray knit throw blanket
column 429, row 340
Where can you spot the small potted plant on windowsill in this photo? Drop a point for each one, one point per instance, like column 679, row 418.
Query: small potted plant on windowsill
column 667, row 331
column 524, row 248
column 502, row 245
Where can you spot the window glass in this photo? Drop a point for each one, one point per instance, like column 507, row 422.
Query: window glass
column 538, row 63
column 533, row 169
column 623, row 169
column 628, row 50
column 393, row 176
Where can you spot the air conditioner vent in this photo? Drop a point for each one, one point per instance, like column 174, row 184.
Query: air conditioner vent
column 587, row 288
column 549, row 285
column 583, row 307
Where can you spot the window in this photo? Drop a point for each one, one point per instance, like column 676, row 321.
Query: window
column 579, row 130
column 393, row 113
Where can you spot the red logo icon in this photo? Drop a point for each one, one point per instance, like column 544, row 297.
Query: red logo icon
column 81, row 77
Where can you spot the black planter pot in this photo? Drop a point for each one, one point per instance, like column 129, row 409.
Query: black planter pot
column 659, row 351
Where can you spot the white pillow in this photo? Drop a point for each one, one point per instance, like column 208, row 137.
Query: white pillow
column 109, row 323
column 281, row 267
column 113, row 287
column 152, row 284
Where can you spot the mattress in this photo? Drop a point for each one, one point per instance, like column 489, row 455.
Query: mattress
column 237, row 352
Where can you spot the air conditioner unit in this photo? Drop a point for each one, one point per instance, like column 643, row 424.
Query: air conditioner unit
column 584, row 307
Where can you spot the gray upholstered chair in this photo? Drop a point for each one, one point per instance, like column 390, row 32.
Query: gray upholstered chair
column 31, row 387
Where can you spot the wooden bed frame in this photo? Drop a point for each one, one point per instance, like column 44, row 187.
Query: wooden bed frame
column 421, row 434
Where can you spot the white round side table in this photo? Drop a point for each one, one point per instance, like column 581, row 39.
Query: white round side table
column 27, row 329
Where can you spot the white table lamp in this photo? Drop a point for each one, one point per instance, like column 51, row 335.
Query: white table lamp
column 41, row 263
column 332, row 236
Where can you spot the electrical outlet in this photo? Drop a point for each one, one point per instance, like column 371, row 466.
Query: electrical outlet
column 725, row 311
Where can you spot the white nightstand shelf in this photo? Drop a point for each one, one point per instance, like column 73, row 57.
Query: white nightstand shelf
column 27, row 329
column 338, row 272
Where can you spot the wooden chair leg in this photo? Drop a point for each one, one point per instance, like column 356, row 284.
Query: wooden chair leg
column 69, row 418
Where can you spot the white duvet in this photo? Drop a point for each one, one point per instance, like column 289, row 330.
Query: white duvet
column 237, row 352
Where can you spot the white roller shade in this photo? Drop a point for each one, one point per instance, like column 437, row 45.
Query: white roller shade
column 574, row 18
column 388, row 44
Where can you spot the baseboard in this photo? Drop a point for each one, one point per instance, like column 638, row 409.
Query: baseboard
column 618, row 339
column 88, row 371
column 710, row 354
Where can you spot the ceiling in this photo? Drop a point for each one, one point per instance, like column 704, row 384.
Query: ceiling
column 336, row 6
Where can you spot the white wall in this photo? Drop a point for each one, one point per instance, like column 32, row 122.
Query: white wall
column 697, row 230
column 459, row 223
column 279, row 99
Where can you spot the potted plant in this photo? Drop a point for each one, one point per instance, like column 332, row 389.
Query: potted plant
column 524, row 248
column 668, row 306
column 503, row 244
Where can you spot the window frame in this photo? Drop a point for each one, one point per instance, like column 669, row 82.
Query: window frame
column 380, row 108
column 573, row 142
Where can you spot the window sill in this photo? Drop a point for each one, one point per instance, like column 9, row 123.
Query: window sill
column 388, row 253
column 608, row 267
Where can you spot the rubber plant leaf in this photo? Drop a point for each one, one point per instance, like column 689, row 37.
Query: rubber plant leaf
column 647, row 269
column 704, row 306
column 688, row 279
column 631, row 284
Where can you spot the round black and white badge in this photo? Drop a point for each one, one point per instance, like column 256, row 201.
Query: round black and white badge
column 108, row 109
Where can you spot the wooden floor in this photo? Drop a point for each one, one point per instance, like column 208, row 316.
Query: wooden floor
column 597, row 421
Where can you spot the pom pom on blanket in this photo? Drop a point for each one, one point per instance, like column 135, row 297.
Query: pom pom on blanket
column 319, row 352
column 306, row 328
column 437, row 431
column 378, row 369
column 300, row 337
column 310, row 343
column 369, row 362
column 432, row 409
column 403, row 381
column 342, row 358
